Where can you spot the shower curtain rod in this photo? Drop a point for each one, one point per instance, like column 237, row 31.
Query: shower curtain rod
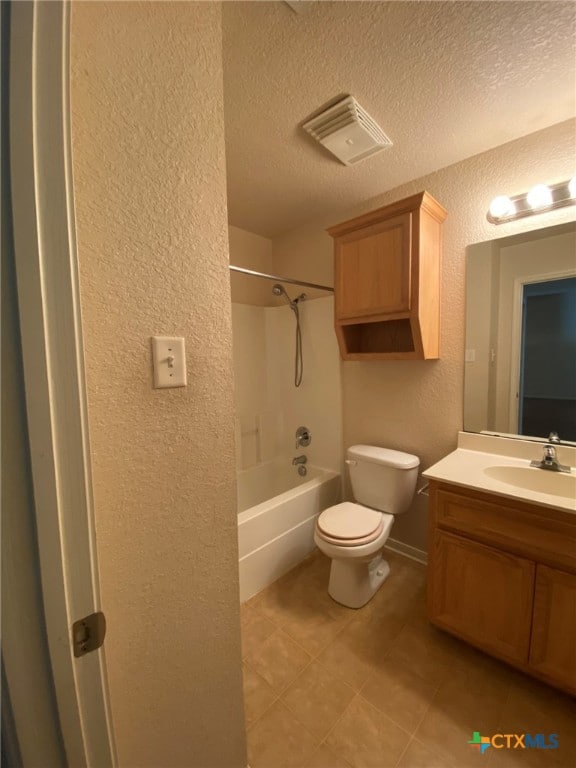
column 278, row 279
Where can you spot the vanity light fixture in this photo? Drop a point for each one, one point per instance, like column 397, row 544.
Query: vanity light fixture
column 539, row 196
column 502, row 207
column 539, row 199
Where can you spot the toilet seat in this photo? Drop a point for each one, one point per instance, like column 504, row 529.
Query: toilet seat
column 351, row 525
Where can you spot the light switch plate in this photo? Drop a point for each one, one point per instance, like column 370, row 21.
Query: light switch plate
column 169, row 361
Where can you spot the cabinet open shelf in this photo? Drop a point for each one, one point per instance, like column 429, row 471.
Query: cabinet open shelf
column 389, row 337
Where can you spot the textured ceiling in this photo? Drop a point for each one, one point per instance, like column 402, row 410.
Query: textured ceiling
column 445, row 80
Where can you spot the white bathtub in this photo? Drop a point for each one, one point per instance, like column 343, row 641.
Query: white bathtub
column 277, row 513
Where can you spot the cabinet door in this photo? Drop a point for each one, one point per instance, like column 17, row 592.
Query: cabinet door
column 373, row 269
column 553, row 647
column 482, row 595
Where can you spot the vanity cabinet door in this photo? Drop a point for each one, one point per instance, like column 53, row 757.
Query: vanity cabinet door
column 482, row 595
column 553, row 647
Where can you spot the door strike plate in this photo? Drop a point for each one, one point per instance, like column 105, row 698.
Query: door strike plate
column 88, row 633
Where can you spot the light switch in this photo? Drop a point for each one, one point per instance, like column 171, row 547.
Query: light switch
column 169, row 361
column 470, row 356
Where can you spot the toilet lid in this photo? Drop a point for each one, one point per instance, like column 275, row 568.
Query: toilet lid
column 349, row 521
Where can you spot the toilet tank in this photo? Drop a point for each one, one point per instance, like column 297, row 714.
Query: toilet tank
column 382, row 478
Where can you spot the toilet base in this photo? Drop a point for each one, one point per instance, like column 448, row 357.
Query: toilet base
column 353, row 584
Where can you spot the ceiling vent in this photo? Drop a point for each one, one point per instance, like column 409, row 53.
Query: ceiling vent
column 348, row 131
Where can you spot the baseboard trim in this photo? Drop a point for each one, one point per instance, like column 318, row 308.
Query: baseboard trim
column 405, row 549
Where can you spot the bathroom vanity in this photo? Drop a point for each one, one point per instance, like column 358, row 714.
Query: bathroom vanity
column 502, row 555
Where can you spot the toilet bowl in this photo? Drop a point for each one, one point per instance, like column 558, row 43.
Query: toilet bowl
column 353, row 534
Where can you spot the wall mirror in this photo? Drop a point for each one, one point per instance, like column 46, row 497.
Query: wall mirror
column 520, row 356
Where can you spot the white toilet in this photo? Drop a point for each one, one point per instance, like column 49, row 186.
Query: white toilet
column 354, row 534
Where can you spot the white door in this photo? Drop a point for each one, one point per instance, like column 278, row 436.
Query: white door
column 49, row 308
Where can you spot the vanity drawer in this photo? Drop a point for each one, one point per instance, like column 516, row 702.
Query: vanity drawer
column 543, row 534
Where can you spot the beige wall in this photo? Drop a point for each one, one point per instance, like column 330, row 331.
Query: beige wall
column 253, row 252
column 417, row 406
column 479, row 321
column 149, row 166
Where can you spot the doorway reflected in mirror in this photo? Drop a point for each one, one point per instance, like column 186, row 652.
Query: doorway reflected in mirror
column 547, row 381
column 520, row 369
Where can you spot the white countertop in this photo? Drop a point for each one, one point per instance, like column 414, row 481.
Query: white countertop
column 468, row 464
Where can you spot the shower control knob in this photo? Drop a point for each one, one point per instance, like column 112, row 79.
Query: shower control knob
column 303, row 437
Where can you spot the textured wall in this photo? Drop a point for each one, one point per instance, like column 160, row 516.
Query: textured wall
column 150, row 190
column 417, row 406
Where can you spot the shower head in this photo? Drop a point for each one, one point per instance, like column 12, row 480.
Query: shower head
column 278, row 290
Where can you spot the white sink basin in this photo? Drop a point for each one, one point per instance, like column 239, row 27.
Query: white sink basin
column 533, row 479
column 501, row 465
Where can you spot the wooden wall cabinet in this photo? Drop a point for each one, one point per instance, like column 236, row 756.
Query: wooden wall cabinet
column 502, row 576
column 387, row 281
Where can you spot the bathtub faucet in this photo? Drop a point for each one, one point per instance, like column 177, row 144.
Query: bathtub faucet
column 299, row 460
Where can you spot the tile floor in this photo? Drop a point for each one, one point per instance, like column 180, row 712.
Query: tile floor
column 330, row 687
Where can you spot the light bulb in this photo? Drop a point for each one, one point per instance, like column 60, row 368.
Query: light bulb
column 572, row 187
column 539, row 196
column 501, row 207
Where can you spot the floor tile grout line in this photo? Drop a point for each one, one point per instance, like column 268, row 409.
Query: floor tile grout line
column 321, row 739
column 276, row 698
column 298, row 674
column 356, row 694
column 281, row 624
column 248, row 727
column 317, row 739
column 342, row 628
column 438, row 686
column 325, row 743
column 341, row 679
column 302, row 648
column 386, row 716
column 397, row 763
column 301, row 671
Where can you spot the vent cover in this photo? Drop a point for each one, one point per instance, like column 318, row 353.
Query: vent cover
column 348, row 131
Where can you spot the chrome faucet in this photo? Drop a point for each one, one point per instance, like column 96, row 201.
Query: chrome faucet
column 549, row 459
column 303, row 437
column 299, row 460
